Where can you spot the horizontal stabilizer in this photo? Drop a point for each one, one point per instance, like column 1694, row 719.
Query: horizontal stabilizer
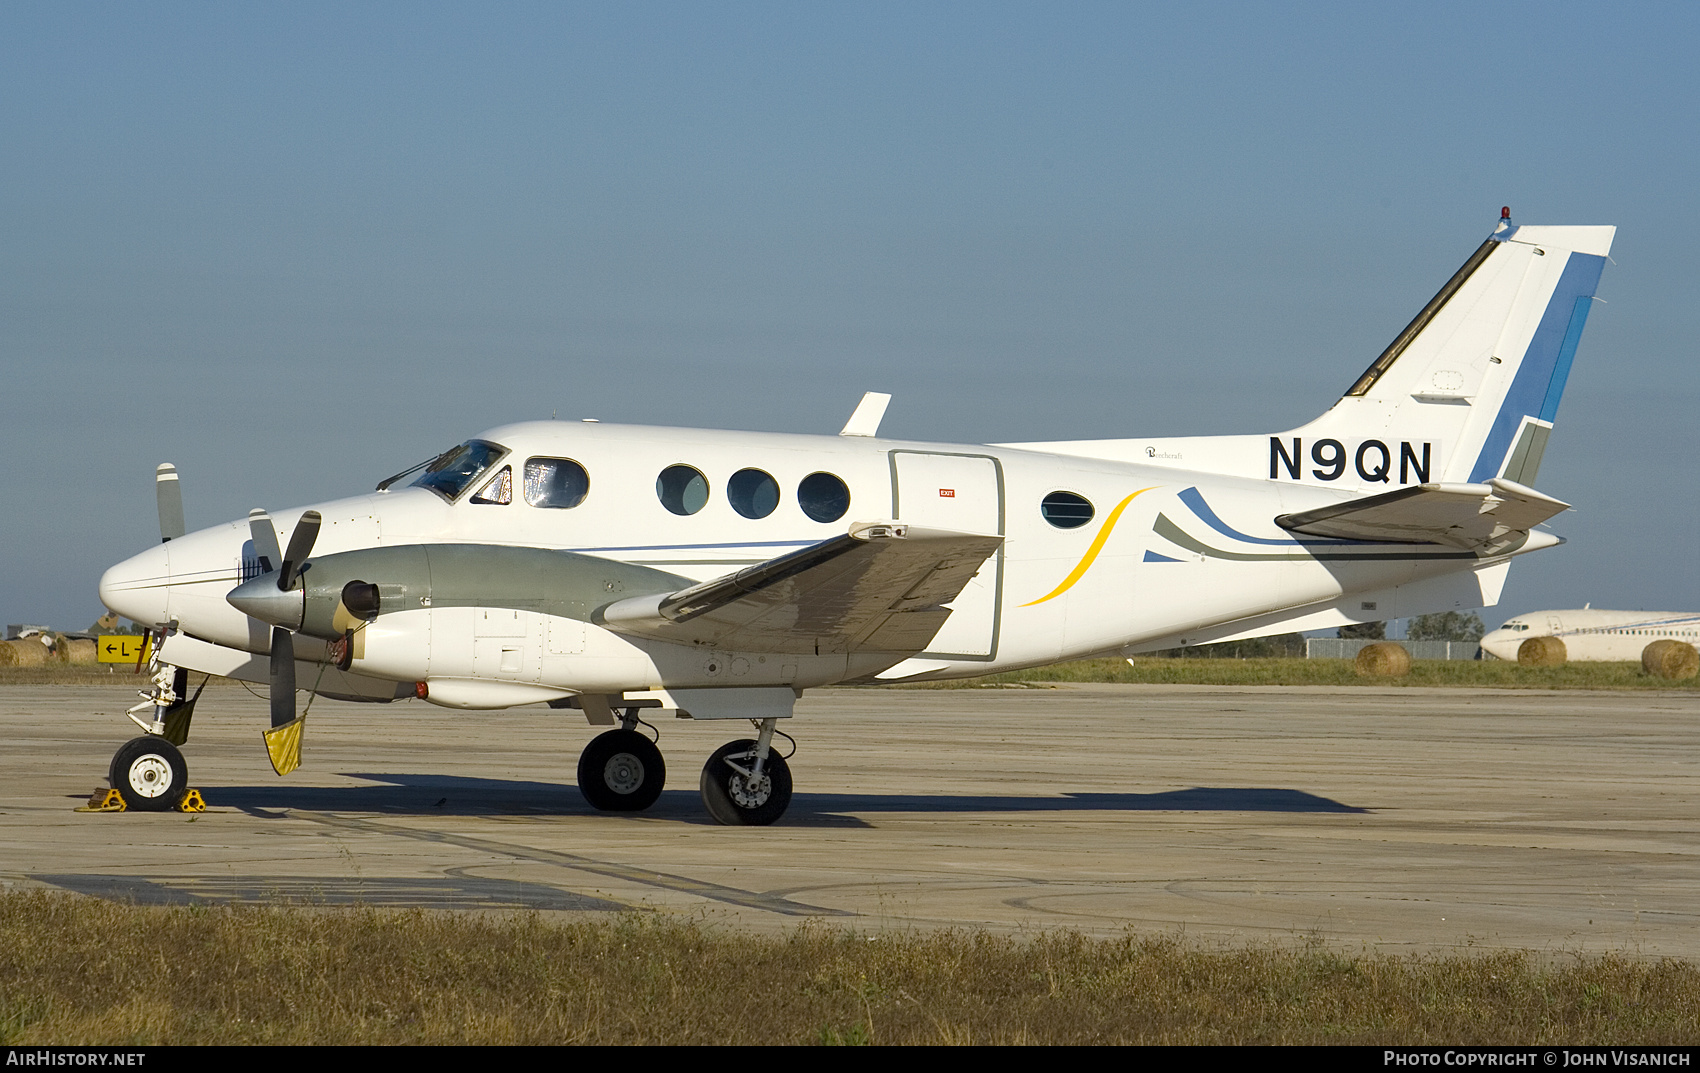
column 1486, row 518
column 878, row 588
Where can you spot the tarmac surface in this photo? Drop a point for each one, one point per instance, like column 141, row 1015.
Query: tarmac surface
column 1398, row 819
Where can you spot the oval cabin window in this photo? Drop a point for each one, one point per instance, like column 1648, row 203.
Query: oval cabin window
column 558, row 483
column 752, row 493
column 682, row 489
column 823, row 497
column 1066, row 510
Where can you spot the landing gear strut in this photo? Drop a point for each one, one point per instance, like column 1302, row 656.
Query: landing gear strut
column 621, row 771
column 745, row 784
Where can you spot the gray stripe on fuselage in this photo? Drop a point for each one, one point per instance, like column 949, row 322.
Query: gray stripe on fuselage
column 560, row 583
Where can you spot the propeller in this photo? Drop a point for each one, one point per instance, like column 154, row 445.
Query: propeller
column 169, row 492
column 278, row 599
column 265, row 540
column 300, row 546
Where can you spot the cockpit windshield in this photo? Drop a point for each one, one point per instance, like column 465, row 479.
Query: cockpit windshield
column 451, row 472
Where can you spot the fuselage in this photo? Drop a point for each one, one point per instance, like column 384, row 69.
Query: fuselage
column 1595, row 635
column 1099, row 556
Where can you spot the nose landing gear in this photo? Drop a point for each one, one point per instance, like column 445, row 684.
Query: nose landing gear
column 150, row 774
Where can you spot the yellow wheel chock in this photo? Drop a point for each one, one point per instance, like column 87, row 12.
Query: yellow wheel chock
column 104, row 800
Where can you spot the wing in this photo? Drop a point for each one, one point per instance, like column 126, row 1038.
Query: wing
column 878, row 588
column 1486, row 518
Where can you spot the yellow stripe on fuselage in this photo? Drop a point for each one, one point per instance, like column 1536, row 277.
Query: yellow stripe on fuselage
column 1091, row 555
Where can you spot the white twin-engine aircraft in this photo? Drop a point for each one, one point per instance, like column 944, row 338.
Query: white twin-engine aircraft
column 611, row 569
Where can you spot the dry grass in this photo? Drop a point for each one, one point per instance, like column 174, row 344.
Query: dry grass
column 77, row 970
column 1474, row 674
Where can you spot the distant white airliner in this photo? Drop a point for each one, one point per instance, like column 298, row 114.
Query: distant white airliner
column 1590, row 634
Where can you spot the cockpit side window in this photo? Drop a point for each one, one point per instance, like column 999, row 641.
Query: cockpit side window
column 453, row 471
column 555, row 482
column 499, row 490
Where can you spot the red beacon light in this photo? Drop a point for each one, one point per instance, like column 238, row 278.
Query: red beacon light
column 1505, row 213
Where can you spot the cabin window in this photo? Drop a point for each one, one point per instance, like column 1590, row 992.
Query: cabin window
column 682, row 489
column 453, row 471
column 752, row 493
column 558, row 483
column 500, row 490
column 823, row 497
column 1066, row 510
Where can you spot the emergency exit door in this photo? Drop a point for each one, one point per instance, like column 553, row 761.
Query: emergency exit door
column 963, row 493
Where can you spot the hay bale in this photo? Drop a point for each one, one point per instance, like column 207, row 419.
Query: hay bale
column 1542, row 652
column 1384, row 659
column 80, row 650
column 25, row 653
column 1670, row 659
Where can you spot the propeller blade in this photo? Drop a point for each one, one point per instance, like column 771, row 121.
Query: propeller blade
column 300, row 546
column 283, row 740
column 265, row 540
column 169, row 492
column 283, row 677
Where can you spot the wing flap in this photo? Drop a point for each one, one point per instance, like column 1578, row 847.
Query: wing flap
column 878, row 588
column 1485, row 518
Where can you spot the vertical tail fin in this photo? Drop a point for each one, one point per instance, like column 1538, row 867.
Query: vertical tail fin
column 1469, row 389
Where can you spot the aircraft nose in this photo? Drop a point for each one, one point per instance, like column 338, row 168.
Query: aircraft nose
column 1495, row 644
column 139, row 588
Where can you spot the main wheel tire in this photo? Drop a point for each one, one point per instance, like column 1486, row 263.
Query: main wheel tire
column 150, row 773
column 621, row 771
column 731, row 800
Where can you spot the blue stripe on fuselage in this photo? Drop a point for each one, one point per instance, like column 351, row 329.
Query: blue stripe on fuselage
column 1195, row 501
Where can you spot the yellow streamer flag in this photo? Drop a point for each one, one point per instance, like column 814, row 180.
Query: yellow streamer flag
column 283, row 745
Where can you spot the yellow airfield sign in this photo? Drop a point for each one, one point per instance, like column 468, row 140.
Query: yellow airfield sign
column 123, row 648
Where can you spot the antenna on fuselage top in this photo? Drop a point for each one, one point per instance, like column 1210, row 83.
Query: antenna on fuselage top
column 869, row 413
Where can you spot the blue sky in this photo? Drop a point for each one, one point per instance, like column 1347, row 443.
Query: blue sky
column 295, row 248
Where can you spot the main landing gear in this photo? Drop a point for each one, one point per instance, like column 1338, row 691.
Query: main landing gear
column 744, row 784
column 621, row 771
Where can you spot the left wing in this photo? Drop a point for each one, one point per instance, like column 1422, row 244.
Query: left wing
column 876, row 589
column 1485, row 518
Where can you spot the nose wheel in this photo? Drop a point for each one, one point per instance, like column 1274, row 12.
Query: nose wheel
column 621, row 771
column 150, row 773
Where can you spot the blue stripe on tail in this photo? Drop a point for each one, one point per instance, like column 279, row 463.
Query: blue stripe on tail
column 1566, row 354
column 1540, row 378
